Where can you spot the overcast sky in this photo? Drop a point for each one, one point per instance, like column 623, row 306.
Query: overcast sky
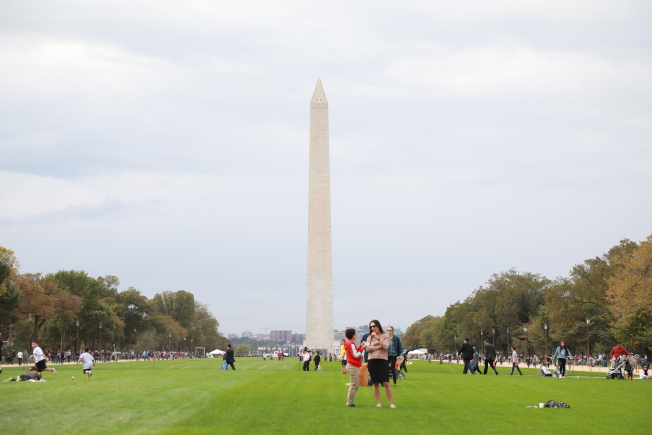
column 166, row 143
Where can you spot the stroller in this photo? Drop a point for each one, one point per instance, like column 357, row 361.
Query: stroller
column 616, row 372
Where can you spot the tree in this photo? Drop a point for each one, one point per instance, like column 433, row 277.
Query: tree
column 241, row 350
column 39, row 299
column 179, row 305
column 630, row 296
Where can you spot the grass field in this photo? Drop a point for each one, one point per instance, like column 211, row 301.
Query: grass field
column 195, row 396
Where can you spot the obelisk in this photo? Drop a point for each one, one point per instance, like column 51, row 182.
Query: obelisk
column 319, row 300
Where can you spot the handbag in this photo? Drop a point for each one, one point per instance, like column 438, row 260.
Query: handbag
column 225, row 366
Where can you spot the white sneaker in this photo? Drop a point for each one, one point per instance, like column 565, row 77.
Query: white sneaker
column 54, row 371
column 379, row 406
column 392, row 406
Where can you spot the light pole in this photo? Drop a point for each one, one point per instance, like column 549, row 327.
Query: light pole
column 545, row 332
column 481, row 337
column 101, row 337
column 525, row 331
column 170, row 342
column 508, row 340
column 454, row 338
column 77, row 348
column 588, row 338
column 493, row 340
column 184, row 340
column 29, row 332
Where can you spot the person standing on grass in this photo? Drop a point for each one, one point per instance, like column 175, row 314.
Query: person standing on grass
column 306, row 360
column 394, row 351
column 229, row 356
column 489, row 352
column 376, row 345
column 353, row 354
column 515, row 362
column 317, row 360
column 467, row 355
column 88, row 361
column 39, row 359
column 562, row 354
column 343, row 356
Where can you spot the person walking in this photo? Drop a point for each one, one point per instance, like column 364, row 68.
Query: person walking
column 306, row 360
column 376, row 345
column 489, row 352
column 394, row 351
column 466, row 351
column 562, row 354
column 515, row 361
column 317, row 361
column 229, row 356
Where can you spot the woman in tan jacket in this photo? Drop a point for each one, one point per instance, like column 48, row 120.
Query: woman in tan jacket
column 376, row 345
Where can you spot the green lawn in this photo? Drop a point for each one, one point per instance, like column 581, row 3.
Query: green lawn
column 195, row 396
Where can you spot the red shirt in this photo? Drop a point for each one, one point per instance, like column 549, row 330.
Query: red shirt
column 617, row 351
column 350, row 358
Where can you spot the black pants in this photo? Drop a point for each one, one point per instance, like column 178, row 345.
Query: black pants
column 515, row 366
column 231, row 364
column 490, row 363
column 562, row 366
column 392, row 367
column 467, row 365
column 306, row 366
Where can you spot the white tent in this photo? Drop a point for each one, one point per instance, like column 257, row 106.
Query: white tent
column 416, row 352
column 215, row 353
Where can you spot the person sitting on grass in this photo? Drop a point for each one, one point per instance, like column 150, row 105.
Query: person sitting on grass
column 644, row 373
column 544, row 370
column 29, row 375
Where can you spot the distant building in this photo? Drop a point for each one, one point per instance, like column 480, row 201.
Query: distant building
column 298, row 338
column 338, row 335
column 247, row 334
column 231, row 336
column 262, row 337
column 282, row 336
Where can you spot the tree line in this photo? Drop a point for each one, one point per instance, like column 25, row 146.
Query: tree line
column 71, row 310
column 603, row 300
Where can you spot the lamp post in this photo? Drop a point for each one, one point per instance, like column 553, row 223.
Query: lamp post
column 545, row 332
column 77, row 337
column 481, row 337
column 508, row 340
column 101, row 337
column 526, row 350
column 454, row 338
column 493, row 340
column 29, row 332
column 170, row 342
column 588, row 338
column 184, row 340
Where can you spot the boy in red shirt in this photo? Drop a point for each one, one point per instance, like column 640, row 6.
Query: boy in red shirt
column 353, row 363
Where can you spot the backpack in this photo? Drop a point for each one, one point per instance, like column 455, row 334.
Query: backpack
column 555, row 404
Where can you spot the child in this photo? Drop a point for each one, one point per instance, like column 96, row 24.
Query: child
column 88, row 361
column 630, row 370
column 353, row 354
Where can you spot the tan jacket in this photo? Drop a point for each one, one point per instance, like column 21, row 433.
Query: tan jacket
column 377, row 347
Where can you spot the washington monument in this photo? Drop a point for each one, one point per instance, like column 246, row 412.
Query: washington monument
column 319, row 309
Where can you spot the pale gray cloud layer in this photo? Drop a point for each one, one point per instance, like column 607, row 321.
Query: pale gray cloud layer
column 167, row 143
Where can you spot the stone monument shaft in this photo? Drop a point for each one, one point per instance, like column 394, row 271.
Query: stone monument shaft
column 319, row 310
